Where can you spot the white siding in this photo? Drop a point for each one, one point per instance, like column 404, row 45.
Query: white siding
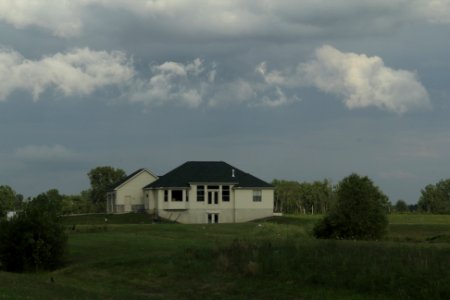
column 131, row 194
column 240, row 208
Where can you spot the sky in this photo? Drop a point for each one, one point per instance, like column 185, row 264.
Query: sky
column 295, row 90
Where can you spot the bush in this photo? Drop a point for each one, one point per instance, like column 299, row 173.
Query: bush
column 34, row 239
column 359, row 212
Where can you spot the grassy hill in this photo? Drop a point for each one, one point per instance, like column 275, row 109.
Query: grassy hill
column 129, row 257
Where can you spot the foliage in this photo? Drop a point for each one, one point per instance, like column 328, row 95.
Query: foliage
column 251, row 260
column 7, row 199
column 77, row 204
column 34, row 239
column 435, row 198
column 359, row 213
column 303, row 197
column 101, row 178
column 401, row 206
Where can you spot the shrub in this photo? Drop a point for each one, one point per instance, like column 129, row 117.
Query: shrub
column 359, row 212
column 34, row 239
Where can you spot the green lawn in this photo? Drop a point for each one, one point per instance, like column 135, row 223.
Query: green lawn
column 270, row 259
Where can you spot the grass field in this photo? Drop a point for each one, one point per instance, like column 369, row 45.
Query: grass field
column 128, row 257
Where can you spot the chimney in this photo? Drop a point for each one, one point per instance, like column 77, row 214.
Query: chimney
column 232, row 173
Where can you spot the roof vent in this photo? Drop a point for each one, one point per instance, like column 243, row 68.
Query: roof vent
column 232, row 173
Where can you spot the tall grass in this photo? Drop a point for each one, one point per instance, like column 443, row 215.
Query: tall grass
column 398, row 270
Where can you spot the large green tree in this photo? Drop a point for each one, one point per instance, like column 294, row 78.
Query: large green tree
column 102, row 178
column 359, row 212
column 7, row 199
column 35, row 238
column 435, row 198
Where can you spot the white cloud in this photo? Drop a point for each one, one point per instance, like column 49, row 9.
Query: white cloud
column 364, row 81
column 79, row 71
column 62, row 18
column 435, row 11
column 193, row 84
column 44, row 153
column 173, row 82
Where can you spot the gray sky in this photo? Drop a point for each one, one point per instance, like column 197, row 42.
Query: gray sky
column 298, row 90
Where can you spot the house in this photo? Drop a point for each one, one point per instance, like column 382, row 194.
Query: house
column 209, row 192
column 127, row 195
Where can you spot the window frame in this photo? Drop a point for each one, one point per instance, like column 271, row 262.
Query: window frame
column 257, row 195
column 200, row 193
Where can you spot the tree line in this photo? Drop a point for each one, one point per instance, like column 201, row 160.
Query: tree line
column 293, row 197
column 317, row 197
column 92, row 200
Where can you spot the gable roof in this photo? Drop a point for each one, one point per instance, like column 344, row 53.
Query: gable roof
column 122, row 181
column 207, row 171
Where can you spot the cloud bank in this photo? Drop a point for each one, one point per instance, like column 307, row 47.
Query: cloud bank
column 44, row 154
column 236, row 18
column 361, row 81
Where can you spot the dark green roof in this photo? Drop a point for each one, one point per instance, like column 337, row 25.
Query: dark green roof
column 205, row 172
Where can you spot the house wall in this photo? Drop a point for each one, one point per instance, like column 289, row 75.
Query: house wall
column 240, row 208
column 130, row 195
column 247, row 209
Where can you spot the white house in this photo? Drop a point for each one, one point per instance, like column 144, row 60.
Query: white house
column 128, row 195
column 203, row 192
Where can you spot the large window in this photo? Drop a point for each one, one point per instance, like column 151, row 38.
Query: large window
column 257, row 195
column 177, row 195
column 225, row 193
column 200, row 193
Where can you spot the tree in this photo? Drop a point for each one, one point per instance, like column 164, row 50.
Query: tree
column 401, row 206
column 304, row 197
column 18, row 201
column 435, row 198
column 35, row 238
column 102, row 178
column 359, row 212
column 7, row 199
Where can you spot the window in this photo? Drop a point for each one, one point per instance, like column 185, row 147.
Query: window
column 200, row 193
column 166, row 195
column 226, row 193
column 257, row 195
column 177, row 195
column 213, row 187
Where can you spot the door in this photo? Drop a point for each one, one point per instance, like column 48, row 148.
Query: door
column 213, row 218
column 213, row 197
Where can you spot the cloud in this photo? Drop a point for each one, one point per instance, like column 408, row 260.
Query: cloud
column 44, row 153
column 364, row 81
column 436, row 11
column 79, row 71
column 287, row 19
column 173, row 82
column 62, row 18
column 194, row 83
